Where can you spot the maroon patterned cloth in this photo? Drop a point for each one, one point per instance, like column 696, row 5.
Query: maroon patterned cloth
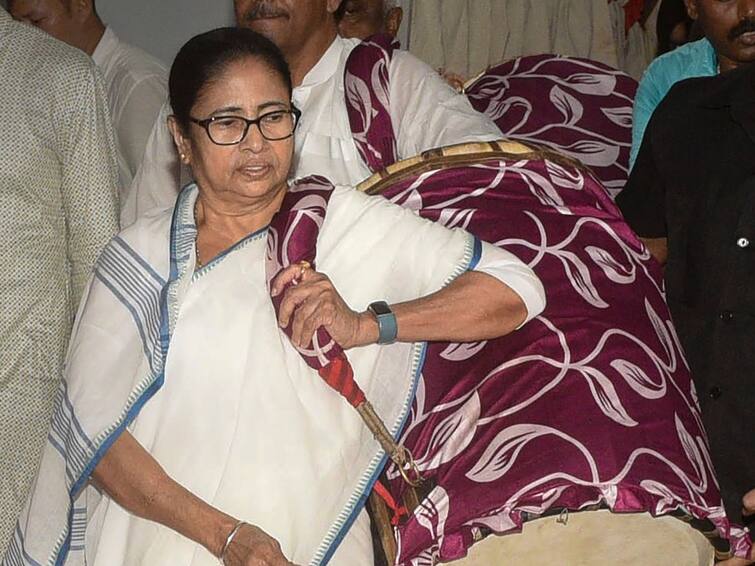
column 292, row 238
column 371, row 124
column 578, row 107
column 590, row 403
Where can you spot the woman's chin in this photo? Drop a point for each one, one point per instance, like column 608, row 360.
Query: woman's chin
column 254, row 187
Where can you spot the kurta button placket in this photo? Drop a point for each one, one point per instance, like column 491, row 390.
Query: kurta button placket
column 726, row 316
column 714, row 392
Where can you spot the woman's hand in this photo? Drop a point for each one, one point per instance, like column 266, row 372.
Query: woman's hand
column 312, row 301
column 254, row 547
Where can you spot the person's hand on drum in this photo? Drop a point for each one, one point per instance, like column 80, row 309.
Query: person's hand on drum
column 311, row 302
column 748, row 508
column 254, row 547
column 748, row 503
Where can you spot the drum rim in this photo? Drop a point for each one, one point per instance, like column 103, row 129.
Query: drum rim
column 463, row 154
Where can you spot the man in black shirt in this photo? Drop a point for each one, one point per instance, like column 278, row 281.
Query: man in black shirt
column 691, row 197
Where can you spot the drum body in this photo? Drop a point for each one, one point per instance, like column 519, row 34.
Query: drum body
column 596, row 538
column 589, row 405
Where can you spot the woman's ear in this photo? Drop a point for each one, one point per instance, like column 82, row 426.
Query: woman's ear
column 183, row 144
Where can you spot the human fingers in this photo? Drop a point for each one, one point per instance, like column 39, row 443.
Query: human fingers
column 304, row 319
column 318, row 311
column 254, row 547
column 286, row 276
column 295, row 296
column 748, row 503
column 291, row 274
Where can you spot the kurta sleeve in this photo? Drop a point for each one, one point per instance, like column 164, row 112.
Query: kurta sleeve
column 158, row 178
column 511, row 271
column 411, row 255
column 643, row 200
column 89, row 179
column 427, row 113
column 137, row 117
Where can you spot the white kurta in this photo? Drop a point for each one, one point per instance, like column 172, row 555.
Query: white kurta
column 137, row 85
column 426, row 113
column 245, row 424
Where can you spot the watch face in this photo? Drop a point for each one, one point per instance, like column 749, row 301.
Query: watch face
column 380, row 308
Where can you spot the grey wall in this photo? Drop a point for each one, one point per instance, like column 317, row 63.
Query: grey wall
column 161, row 27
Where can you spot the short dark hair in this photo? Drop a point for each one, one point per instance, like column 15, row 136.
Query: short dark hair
column 205, row 56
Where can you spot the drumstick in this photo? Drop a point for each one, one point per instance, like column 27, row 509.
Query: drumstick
column 339, row 375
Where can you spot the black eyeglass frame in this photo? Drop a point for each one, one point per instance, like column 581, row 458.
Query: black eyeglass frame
column 205, row 124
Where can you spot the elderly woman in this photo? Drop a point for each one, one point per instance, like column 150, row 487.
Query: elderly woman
column 189, row 428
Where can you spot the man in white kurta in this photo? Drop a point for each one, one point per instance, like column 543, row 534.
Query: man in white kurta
column 425, row 111
column 137, row 85
column 136, row 82
column 59, row 208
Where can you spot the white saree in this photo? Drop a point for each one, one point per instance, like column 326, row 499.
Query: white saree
column 194, row 364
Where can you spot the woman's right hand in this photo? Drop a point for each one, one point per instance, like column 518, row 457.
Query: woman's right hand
column 254, row 547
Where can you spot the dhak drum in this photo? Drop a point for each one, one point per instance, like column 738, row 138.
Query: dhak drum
column 588, row 407
column 597, row 538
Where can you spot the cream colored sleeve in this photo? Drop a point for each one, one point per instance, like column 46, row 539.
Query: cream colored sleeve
column 89, row 180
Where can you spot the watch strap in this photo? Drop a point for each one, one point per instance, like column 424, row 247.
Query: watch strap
column 386, row 319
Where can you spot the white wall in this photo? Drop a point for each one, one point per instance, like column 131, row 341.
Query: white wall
column 161, row 27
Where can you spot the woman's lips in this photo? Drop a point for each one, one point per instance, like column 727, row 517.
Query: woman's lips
column 256, row 170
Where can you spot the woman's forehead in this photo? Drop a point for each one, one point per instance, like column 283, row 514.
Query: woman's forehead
column 246, row 84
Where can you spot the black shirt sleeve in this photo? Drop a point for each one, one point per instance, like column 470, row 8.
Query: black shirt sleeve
column 643, row 200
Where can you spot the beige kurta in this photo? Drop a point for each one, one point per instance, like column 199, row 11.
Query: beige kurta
column 59, row 208
column 466, row 36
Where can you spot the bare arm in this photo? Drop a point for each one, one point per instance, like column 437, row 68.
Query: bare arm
column 658, row 248
column 473, row 307
column 134, row 479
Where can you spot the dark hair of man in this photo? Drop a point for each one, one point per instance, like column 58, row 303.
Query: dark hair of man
column 670, row 14
column 204, row 58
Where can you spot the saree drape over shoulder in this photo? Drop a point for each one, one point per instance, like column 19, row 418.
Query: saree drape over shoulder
column 194, row 364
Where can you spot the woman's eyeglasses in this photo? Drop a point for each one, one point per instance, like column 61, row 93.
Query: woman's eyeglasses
column 231, row 130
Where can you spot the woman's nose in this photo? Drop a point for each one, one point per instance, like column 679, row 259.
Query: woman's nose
column 254, row 139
